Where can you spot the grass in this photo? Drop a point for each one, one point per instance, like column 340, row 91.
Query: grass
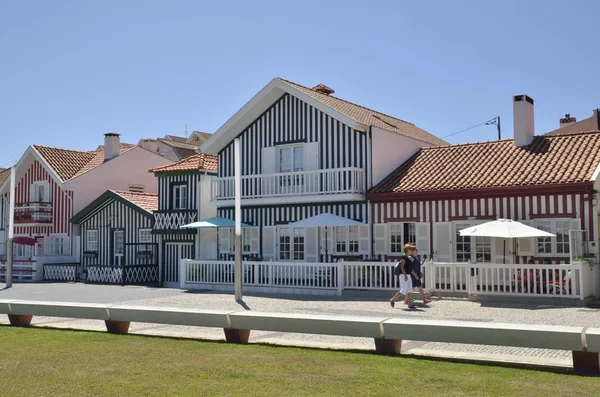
column 44, row 362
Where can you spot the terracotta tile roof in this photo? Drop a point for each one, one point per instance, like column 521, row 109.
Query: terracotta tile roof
column 175, row 138
column 147, row 201
column 205, row 135
column 202, row 161
column 589, row 124
column 182, row 150
column 4, row 175
column 71, row 163
column 567, row 158
column 369, row 117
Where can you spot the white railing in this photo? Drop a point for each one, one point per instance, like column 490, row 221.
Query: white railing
column 266, row 275
column 22, row 270
column 574, row 281
column 331, row 181
column 33, row 212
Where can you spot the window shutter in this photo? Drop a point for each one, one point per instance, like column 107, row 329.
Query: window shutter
column 268, row 246
column 443, row 242
column 364, row 239
column 255, row 240
column 311, row 156
column 225, row 240
column 422, row 232
column 311, row 244
column 526, row 246
column 381, row 243
column 269, row 165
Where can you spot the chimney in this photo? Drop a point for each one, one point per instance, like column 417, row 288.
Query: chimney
column 323, row 89
column 565, row 121
column 112, row 146
column 523, row 120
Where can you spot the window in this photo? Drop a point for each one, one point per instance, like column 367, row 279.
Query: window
column 483, row 249
column 558, row 245
column 180, row 197
column 39, row 192
column 291, row 244
column 472, row 249
column 145, row 236
column 91, row 240
column 401, row 234
column 228, row 234
column 340, row 239
column 463, row 245
column 291, row 159
column 137, row 188
column 544, row 244
column 562, row 237
column 60, row 244
column 246, row 237
column 353, row 239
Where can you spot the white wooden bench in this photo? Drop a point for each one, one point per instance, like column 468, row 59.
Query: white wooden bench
column 388, row 333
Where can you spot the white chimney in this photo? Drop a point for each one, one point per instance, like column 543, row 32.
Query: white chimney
column 567, row 120
column 523, row 120
column 112, row 146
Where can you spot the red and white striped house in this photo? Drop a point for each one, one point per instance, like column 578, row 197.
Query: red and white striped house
column 52, row 184
column 547, row 181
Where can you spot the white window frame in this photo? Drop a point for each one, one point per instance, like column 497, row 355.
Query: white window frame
column 65, row 241
column 395, row 230
column 295, row 254
column 145, row 236
column 475, row 243
column 292, row 149
column 33, row 193
column 246, row 240
column 181, row 202
column 346, row 240
column 553, row 241
column 90, row 244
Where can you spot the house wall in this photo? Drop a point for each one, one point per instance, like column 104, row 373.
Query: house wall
column 390, row 151
column 108, row 217
column 290, row 120
column 129, row 168
column 526, row 204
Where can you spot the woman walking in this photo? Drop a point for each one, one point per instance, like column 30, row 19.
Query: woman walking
column 406, row 265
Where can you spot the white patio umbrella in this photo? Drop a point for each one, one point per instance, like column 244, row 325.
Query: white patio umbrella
column 504, row 228
column 325, row 220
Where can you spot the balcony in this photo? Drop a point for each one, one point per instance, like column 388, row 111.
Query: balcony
column 172, row 220
column 292, row 184
column 33, row 213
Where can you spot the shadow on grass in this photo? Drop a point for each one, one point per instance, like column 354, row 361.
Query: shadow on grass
column 486, row 363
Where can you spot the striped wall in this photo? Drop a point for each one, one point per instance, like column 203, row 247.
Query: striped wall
column 292, row 120
column 281, row 214
column 106, row 218
column 165, row 189
column 61, row 202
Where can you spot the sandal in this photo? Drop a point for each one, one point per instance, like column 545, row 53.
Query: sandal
column 392, row 303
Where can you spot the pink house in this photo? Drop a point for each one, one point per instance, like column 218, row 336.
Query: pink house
column 53, row 184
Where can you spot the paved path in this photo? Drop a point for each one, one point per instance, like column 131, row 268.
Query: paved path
column 446, row 309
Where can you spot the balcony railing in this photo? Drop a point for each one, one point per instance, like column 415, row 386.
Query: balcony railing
column 33, row 212
column 173, row 219
column 319, row 182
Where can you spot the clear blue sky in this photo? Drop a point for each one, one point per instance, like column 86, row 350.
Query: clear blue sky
column 73, row 70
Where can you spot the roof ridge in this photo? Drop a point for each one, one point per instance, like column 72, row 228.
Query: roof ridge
column 67, row 150
column 347, row 101
column 134, row 193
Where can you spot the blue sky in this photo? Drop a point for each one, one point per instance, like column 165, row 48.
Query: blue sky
column 73, row 70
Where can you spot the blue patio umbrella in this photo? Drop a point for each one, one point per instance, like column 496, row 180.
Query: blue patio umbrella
column 215, row 222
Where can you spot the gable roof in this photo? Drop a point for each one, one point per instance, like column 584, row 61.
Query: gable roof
column 197, row 162
column 560, row 159
column 368, row 116
column 590, row 124
column 144, row 203
column 355, row 116
column 175, row 138
column 68, row 164
column 4, row 175
column 182, row 150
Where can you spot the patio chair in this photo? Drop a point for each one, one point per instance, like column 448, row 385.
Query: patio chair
column 560, row 286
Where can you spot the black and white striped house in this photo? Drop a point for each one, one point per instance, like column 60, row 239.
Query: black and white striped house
column 184, row 197
column 117, row 243
column 305, row 152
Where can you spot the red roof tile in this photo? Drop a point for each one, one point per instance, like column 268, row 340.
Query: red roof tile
column 175, row 138
column 567, row 158
column 4, row 175
column 182, row 150
column 146, row 201
column 367, row 116
column 202, row 161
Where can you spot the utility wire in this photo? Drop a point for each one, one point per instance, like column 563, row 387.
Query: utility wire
column 489, row 122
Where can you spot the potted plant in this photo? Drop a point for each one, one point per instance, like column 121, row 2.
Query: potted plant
column 143, row 254
column 90, row 254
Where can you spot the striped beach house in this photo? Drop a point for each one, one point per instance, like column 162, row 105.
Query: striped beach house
column 547, row 181
column 306, row 152
column 53, row 184
column 184, row 197
column 117, row 244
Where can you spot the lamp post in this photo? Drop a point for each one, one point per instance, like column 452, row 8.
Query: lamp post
column 11, row 230
column 238, row 222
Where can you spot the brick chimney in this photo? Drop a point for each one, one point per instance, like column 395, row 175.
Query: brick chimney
column 567, row 120
column 323, row 89
column 112, row 146
column 523, row 120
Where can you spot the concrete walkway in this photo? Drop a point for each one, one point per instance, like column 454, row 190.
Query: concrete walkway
column 446, row 309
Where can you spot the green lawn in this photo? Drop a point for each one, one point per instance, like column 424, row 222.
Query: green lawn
column 44, row 362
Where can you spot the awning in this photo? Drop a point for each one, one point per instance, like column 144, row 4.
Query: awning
column 325, row 220
column 504, row 228
column 24, row 240
column 214, row 222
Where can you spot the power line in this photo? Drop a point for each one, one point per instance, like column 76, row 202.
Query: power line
column 489, row 122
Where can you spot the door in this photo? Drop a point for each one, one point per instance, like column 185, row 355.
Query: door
column 174, row 252
column 118, row 247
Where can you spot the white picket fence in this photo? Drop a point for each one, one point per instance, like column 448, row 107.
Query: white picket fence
column 573, row 281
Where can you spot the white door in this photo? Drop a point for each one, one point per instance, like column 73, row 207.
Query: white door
column 118, row 247
column 174, row 252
